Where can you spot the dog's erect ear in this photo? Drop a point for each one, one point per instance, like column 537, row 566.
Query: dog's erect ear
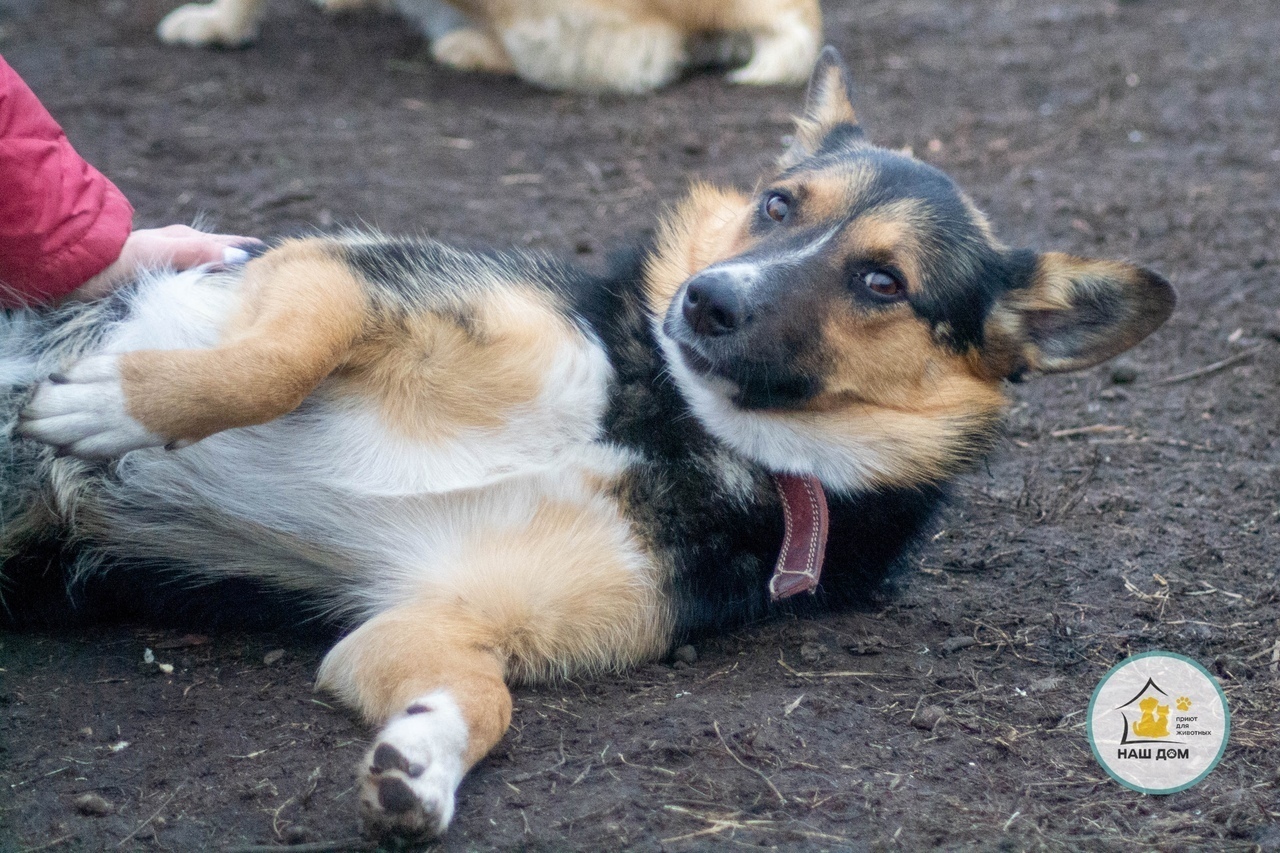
column 1074, row 313
column 828, row 108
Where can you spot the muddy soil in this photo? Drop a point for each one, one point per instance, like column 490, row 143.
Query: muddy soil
column 1144, row 129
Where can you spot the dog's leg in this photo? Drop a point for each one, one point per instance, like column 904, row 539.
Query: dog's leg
column 786, row 38
column 435, row 686
column 339, row 6
column 589, row 46
column 471, row 49
column 229, row 23
column 567, row 589
column 303, row 309
column 457, row 40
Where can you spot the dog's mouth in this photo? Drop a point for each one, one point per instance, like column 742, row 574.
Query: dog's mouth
column 693, row 357
column 748, row 384
column 696, row 361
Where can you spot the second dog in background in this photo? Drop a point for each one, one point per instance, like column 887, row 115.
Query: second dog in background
column 583, row 45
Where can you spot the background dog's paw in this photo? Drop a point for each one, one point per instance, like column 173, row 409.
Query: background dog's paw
column 409, row 776
column 469, row 49
column 782, row 58
column 201, row 24
column 340, row 6
column 82, row 413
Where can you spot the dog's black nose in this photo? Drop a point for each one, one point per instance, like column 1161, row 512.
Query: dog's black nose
column 713, row 305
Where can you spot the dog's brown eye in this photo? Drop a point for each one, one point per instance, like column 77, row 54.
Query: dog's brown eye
column 883, row 284
column 776, row 207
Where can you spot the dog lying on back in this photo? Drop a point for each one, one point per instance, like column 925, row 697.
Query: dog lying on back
column 584, row 45
column 496, row 468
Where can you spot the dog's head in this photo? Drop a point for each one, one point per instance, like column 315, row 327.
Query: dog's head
column 855, row 317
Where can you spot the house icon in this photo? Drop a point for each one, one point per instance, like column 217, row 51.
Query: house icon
column 1146, row 719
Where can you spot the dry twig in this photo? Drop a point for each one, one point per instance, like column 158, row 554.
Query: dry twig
column 1210, row 368
column 772, row 787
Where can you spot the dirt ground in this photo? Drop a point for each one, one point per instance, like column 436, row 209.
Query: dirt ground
column 1143, row 129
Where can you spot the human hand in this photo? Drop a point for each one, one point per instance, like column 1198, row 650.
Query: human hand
column 175, row 246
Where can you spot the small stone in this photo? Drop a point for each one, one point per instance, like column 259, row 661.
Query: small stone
column 1113, row 579
column 86, row 732
column 1112, row 394
column 1196, row 631
column 273, row 657
column 1124, row 371
column 928, row 717
column 93, row 805
column 299, row 835
column 870, row 646
column 812, row 652
column 686, row 654
column 955, row 644
column 1047, row 684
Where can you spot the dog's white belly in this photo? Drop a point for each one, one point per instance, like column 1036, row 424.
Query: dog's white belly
column 333, row 474
column 396, row 542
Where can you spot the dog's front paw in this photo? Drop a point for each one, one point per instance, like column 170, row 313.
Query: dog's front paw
column 201, row 24
column 409, row 776
column 82, row 412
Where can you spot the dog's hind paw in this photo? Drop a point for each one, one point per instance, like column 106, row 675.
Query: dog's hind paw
column 340, row 6
column 784, row 57
column 82, row 413
column 469, row 49
column 201, row 24
column 409, row 776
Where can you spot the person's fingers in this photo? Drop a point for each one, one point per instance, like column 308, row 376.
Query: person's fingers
column 177, row 246
column 182, row 248
column 194, row 251
column 227, row 239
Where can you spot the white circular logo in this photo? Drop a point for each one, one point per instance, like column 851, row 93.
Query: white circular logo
column 1158, row 723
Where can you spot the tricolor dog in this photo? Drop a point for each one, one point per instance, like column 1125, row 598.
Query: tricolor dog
column 493, row 468
column 585, row 45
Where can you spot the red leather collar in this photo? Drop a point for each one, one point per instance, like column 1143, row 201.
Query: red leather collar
column 804, row 507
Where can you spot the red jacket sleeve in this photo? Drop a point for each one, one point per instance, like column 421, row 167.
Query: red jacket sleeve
column 61, row 221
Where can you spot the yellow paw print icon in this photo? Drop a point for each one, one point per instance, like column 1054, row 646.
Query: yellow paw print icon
column 1184, row 704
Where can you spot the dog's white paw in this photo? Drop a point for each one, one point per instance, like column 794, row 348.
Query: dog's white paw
column 201, row 24
column 783, row 57
column 338, row 6
column 469, row 49
column 409, row 776
column 82, row 412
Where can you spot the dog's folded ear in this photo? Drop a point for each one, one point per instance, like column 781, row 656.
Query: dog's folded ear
column 828, row 120
column 1074, row 313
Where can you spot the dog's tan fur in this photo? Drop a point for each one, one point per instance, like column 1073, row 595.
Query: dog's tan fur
column 431, row 377
column 588, row 45
column 302, row 311
column 559, row 594
column 707, row 226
